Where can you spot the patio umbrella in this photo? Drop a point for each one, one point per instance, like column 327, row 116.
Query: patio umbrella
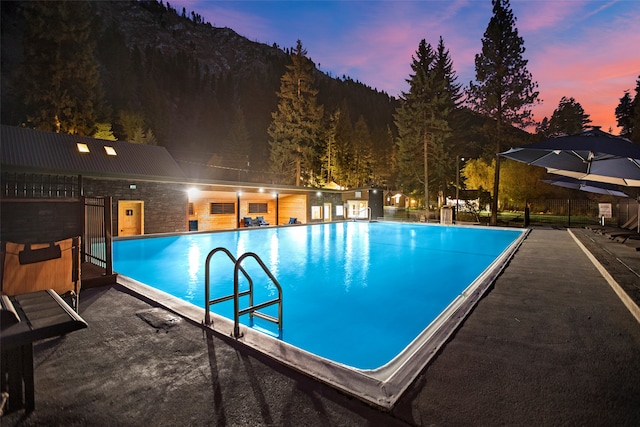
column 588, row 186
column 592, row 155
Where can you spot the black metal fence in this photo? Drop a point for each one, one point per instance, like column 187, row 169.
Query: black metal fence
column 97, row 239
column 551, row 212
column 572, row 213
column 40, row 186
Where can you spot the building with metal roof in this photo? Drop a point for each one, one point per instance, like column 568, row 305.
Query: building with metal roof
column 64, row 154
column 150, row 191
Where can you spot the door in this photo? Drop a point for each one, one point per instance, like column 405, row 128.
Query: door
column 130, row 217
column 327, row 211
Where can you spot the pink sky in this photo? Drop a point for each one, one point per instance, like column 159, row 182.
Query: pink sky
column 584, row 49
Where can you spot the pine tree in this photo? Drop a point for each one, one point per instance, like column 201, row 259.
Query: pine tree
column 239, row 138
column 131, row 126
column 447, row 147
column 543, row 129
column 628, row 115
column 505, row 90
column 421, row 120
column 59, row 79
column 624, row 114
column 635, row 123
column 329, row 157
column 344, row 147
column 103, row 131
column 568, row 118
column 294, row 132
column 362, row 154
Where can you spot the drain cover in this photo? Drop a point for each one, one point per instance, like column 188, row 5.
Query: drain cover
column 159, row 318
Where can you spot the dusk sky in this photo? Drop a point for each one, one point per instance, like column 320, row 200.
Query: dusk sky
column 588, row 50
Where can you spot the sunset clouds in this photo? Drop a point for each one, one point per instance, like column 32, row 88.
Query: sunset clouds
column 587, row 50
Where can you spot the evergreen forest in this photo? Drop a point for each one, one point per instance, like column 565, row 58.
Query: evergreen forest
column 229, row 108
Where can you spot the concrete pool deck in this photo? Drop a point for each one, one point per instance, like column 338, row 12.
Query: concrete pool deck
column 550, row 344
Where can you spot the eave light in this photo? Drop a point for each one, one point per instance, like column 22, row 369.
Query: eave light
column 193, row 192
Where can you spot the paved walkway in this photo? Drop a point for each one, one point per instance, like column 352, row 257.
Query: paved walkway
column 550, row 344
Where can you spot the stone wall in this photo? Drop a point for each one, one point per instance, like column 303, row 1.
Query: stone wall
column 165, row 204
column 31, row 221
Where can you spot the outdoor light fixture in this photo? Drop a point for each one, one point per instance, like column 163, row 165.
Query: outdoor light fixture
column 132, row 187
column 82, row 148
column 319, row 194
column 193, row 192
column 260, row 190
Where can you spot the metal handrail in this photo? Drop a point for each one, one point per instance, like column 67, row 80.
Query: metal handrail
column 207, row 284
column 369, row 213
column 253, row 309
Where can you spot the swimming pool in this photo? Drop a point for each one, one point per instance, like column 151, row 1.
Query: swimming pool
column 358, row 295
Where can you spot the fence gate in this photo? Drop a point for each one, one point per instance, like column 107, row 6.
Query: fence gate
column 97, row 237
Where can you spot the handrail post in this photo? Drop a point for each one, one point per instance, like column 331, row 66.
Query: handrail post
column 236, row 301
column 207, row 316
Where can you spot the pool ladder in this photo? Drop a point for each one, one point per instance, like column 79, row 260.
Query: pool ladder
column 252, row 310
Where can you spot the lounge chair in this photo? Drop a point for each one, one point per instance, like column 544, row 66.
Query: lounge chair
column 248, row 222
column 628, row 228
column 32, row 267
column 260, row 221
column 293, row 221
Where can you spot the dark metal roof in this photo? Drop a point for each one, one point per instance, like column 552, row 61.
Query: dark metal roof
column 49, row 152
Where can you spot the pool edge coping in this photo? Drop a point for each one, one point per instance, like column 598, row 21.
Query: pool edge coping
column 381, row 387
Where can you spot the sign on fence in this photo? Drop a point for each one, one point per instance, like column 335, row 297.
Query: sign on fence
column 605, row 210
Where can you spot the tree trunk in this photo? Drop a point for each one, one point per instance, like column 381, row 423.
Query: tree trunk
column 496, row 179
column 426, row 178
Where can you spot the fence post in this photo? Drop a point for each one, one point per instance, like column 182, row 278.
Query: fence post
column 108, row 236
column 83, row 206
column 569, row 212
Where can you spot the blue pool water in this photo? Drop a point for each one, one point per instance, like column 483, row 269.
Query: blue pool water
column 356, row 293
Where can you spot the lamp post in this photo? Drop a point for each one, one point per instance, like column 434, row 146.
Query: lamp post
column 458, row 158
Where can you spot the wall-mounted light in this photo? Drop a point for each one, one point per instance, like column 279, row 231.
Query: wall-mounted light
column 132, row 187
column 193, row 192
column 319, row 194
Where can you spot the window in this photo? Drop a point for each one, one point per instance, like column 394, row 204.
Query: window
column 258, row 208
column 110, row 150
column 190, row 208
column 82, row 148
column 222, row 208
column 339, row 210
